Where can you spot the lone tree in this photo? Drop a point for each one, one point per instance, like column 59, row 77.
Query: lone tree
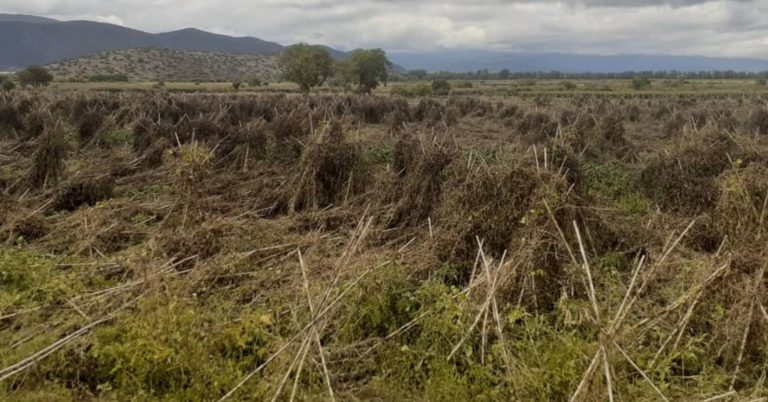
column 35, row 76
column 370, row 68
column 309, row 66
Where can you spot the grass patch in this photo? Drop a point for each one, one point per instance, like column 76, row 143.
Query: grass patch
column 617, row 185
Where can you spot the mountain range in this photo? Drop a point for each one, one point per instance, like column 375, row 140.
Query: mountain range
column 26, row 40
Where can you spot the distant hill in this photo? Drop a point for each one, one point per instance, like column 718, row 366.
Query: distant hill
column 155, row 64
column 473, row 60
column 25, row 18
column 26, row 40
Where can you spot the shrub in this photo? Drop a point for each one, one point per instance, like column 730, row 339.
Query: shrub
column 441, row 87
column 639, row 83
column 35, row 76
column 6, row 84
column 568, row 85
column 108, row 78
column 412, row 90
column 421, row 90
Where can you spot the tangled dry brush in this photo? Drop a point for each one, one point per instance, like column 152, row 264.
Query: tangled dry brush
column 279, row 247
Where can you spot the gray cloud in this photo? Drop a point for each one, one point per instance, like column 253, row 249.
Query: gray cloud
column 708, row 27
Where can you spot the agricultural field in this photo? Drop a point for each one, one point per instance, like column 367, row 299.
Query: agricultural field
column 160, row 246
column 415, row 88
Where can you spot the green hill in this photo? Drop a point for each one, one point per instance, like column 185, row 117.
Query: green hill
column 151, row 64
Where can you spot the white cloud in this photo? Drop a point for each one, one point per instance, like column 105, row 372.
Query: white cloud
column 708, row 27
column 109, row 19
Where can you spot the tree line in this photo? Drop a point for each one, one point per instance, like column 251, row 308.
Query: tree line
column 506, row 74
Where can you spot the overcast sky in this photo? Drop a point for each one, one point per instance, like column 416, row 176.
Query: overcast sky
column 687, row 27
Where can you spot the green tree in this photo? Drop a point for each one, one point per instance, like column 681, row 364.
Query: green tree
column 343, row 74
column 504, row 74
column 370, row 68
column 307, row 65
column 35, row 76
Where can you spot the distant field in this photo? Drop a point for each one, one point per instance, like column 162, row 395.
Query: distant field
column 171, row 86
column 511, row 87
column 461, row 87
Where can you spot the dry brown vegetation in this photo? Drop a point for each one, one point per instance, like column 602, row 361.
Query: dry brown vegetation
column 278, row 247
column 154, row 64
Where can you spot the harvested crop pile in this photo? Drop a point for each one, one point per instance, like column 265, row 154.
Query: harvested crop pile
column 48, row 162
column 537, row 126
column 421, row 188
column 758, row 121
column 684, row 179
column 434, row 113
column 244, row 144
column 25, row 228
column 89, row 124
column 742, row 201
column 196, row 247
column 330, row 171
column 488, row 202
column 84, row 192
column 10, row 119
column 34, row 123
